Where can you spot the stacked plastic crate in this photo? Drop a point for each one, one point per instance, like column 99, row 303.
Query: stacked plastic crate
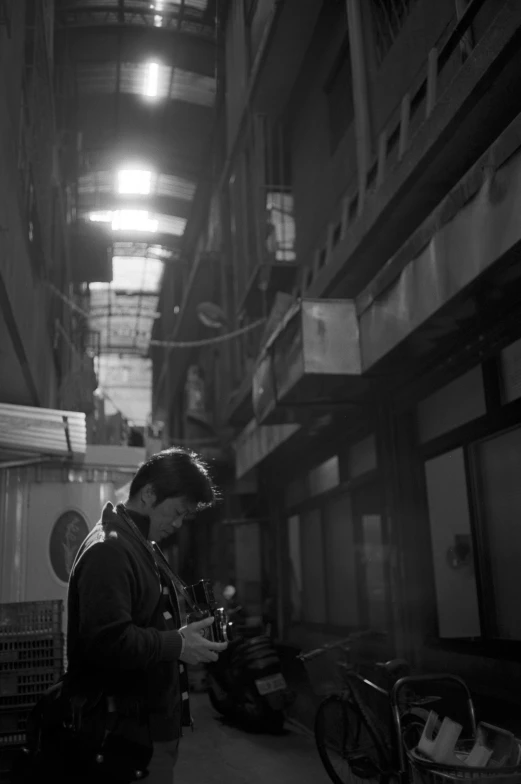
column 31, row 660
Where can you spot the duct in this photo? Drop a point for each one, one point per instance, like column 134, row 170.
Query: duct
column 310, row 364
column 458, row 254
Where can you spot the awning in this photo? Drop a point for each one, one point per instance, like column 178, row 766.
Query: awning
column 44, row 431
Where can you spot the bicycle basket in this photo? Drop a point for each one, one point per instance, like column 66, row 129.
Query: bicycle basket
column 324, row 675
column 424, row 771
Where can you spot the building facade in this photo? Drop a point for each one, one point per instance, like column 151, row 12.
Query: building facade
column 366, row 246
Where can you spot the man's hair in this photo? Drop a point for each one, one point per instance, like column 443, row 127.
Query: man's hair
column 176, row 472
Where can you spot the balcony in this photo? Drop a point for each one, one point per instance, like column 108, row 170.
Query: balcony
column 447, row 119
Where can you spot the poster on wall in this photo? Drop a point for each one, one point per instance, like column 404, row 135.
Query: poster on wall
column 68, row 533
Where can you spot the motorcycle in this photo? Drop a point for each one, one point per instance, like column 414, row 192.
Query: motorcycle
column 246, row 684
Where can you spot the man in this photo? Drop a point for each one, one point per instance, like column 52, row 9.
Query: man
column 125, row 632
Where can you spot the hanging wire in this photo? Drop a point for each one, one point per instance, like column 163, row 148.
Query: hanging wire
column 166, row 343
column 208, row 341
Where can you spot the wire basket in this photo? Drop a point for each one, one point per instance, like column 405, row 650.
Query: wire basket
column 424, row 771
column 23, row 689
column 325, row 676
column 27, row 652
column 31, row 618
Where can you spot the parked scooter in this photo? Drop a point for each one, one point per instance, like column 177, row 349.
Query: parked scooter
column 246, row 684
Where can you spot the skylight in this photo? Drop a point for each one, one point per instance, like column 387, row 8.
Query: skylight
column 133, row 220
column 131, row 273
column 151, row 80
column 134, row 181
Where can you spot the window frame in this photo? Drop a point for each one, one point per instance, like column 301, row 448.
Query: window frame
column 319, row 501
column 498, row 418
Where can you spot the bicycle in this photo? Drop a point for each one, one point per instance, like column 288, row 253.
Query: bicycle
column 356, row 744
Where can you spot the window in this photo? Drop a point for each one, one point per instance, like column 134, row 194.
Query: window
column 342, row 588
column 388, row 19
column 295, row 567
column 339, row 92
column 280, row 226
column 463, row 610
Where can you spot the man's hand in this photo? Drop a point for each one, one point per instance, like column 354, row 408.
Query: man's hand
column 198, row 648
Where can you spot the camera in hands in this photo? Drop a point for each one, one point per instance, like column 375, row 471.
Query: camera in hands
column 205, row 606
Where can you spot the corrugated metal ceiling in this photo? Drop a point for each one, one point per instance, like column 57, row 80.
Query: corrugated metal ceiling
column 102, row 79
column 122, row 313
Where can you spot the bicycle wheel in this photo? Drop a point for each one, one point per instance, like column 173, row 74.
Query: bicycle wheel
column 348, row 747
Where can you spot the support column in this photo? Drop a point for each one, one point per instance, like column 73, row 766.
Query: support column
column 407, row 531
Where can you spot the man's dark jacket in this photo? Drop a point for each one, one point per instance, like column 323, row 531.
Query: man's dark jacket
column 117, row 637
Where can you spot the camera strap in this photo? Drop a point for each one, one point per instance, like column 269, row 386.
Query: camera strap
column 163, row 568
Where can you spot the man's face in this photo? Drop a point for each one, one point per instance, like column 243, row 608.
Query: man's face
column 166, row 516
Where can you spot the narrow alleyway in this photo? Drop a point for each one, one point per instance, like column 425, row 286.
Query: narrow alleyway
column 219, row 754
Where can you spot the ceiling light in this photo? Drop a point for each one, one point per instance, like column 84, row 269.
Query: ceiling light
column 151, row 80
column 134, row 181
column 101, row 217
column 133, row 220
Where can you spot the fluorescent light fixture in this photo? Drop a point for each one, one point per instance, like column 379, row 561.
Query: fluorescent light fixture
column 151, row 80
column 134, row 181
column 133, row 220
column 104, row 216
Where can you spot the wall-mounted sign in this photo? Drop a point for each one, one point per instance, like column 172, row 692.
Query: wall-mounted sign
column 68, row 533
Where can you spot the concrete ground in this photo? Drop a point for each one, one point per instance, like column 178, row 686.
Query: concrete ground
column 219, row 754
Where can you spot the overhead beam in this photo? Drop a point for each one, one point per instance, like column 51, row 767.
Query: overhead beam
column 164, row 205
column 146, row 14
column 188, row 125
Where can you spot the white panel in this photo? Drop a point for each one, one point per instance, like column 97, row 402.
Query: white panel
column 459, row 402
column 456, row 592
column 501, row 506
column 48, row 500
